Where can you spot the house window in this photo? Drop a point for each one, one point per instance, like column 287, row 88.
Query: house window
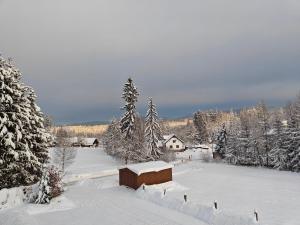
column 174, row 141
column 177, row 146
column 171, row 146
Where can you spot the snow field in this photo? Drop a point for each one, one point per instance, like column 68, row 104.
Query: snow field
column 238, row 191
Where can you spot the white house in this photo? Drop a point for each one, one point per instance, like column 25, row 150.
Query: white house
column 171, row 143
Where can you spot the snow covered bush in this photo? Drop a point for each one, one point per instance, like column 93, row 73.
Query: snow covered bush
column 23, row 138
column 50, row 186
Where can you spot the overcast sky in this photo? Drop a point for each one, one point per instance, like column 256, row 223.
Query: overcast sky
column 187, row 55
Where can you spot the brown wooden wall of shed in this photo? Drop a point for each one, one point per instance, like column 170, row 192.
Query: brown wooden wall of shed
column 127, row 178
column 130, row 179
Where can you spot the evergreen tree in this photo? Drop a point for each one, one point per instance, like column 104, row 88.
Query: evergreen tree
column 231, row 154
column 50, row 185
column 128, row 121
column 112, row 140
column 152, row 131
column 44, row 192
column 130, row 96
column 264, row 140
column 294, row 150
column 23, row 138
column 201, row 135
column 222, row 141
column 278, row 153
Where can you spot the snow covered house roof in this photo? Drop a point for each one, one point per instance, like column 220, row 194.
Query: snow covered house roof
column 166, row 138
column 153, row 166
column 89, row 141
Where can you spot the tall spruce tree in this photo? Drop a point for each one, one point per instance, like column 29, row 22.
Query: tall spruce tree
column 23, row 138
column 231, row 154
column 128, row 121
column 130, row 96
column 152, row 130
column 277, row 153
column 221, row 142
column 112, row 140
column 295, row 135
column 264, row 140
column 201, row 135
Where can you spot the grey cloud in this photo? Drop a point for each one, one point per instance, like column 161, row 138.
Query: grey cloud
column 77, row 54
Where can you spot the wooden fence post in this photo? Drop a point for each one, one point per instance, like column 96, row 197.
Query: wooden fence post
column 216, row 204
column 256, row 215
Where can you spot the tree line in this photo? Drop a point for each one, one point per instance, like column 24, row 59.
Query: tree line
column 256, row 136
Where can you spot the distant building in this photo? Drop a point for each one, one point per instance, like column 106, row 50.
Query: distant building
column 171, row 143
column 89, row 142
column 149, row 173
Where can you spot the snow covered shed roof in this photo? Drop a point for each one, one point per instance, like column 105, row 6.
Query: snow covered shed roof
column 153, row 166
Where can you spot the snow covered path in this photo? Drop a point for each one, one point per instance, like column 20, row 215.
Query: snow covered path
column 91, row 160
column 91, row 163
column 103, row 202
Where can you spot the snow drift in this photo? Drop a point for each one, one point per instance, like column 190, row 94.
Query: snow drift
column 10, row 198
column 204, row 213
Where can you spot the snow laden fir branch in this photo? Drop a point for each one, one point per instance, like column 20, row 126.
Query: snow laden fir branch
column 23, row 138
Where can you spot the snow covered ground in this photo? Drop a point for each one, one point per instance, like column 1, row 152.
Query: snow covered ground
column 238, row 191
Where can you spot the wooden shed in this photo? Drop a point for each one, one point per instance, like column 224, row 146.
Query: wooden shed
column 148, row 173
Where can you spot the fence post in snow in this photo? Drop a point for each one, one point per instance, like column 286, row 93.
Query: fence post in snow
column 165, row 191
column 256, row 215
column 185, row 197
column 143, row 187
column 216, row 204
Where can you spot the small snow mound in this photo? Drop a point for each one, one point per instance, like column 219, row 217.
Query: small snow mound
column 168, row 186
column 10, row 198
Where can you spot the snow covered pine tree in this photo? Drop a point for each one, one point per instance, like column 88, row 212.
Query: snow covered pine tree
column 278, row 153
column 50, row 186
column 201, row 135
column 23, row 139
column 222, row 141
column 127, row 123
column 295, row 135
column 152, row 131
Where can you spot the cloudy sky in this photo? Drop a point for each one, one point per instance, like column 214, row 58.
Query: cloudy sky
column 187, row 55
